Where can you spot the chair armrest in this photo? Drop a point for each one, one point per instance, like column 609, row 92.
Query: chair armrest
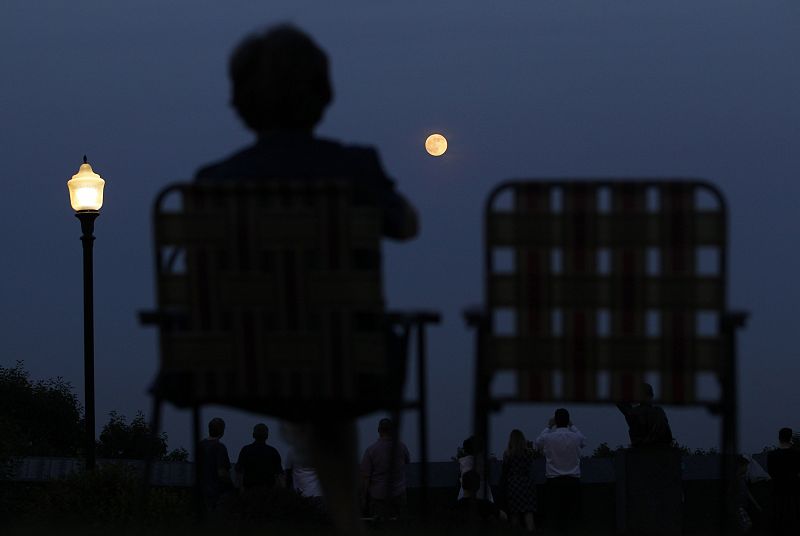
column 475, row 316
column 160, row 318
column 735, row 319
column 414, row 318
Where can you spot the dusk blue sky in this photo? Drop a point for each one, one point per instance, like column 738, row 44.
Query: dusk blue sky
column 535, row 88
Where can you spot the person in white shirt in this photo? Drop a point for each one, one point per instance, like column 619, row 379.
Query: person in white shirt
column 561, row 442
column 471, row 459
column 302, row 478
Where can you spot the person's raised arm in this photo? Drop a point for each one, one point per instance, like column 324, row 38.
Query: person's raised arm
column 538, row 443
column 400, row 218
column 574, row 429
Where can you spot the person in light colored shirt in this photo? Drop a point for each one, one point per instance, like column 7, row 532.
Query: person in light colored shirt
column 471, row 459
column 302, row 478
column 561, row 442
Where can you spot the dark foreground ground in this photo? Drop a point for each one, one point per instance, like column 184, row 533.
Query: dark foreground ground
column 278, row 529
column 105, row 503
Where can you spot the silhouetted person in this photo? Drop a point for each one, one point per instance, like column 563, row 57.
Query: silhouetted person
column 647, row 424
column 259, row 467
column 215, row 466
column 471, row 507
column 471, row 458
column 259, row 464
column 561, row 442
column 652, row 485
column 517, row 476
column 783, row 465
column 383, row 473
column 303, row 480
column 743, row 501
column 280, row 89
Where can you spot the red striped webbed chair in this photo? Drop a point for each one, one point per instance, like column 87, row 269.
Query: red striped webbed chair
column 594, row 287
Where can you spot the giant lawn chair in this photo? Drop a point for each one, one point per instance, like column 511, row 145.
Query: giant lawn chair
column 594, row 287
column 270, row 300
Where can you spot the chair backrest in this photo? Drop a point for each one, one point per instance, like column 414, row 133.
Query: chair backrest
column 272, row 295
column 594, row 287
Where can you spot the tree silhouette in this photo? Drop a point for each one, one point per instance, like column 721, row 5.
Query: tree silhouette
column 604, row 451
column 45, row 418
column 38, row 418
column 120, row 439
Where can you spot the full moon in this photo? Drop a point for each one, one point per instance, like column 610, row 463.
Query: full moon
column 436, row 145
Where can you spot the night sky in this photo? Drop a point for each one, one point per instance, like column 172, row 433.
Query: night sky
column 691, row 88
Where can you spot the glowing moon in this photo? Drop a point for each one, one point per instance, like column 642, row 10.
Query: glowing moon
column 436, row 145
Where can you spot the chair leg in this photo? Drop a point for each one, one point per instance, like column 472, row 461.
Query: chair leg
column 422, row 400
column 332, row 446
column 481, row 410
column 147, row 476
column 397, row 416
column 481, row 415
column 199, row 502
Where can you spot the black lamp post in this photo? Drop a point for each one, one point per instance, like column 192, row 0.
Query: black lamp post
column 86, row 198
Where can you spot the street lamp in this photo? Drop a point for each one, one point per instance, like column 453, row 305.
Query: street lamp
column 86, row 198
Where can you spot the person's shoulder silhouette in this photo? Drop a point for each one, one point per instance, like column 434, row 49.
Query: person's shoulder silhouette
column 280, row 89
column 647, row 423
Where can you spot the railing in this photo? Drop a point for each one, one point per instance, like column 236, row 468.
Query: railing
column 441, row 474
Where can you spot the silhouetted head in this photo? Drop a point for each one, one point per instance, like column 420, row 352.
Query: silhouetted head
column 562, row 418
column 647, row 392
column 472, row 446
column 470, row 482
column 385, row 427
column 260, row 432
column 742, row 463
column 468, row 446
column 785, row 435
column 516, row 441
column 216, row 427
column 280, row 80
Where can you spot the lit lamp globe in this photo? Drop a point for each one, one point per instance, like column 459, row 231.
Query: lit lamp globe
column 86, row 189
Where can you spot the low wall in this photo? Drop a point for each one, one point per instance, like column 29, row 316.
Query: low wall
column 440, row 474
column 699, row 486
column 41, row 469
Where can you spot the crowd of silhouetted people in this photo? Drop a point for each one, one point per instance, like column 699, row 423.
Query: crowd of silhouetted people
column 560, row 442
column 260, row 476
column 257, row 485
